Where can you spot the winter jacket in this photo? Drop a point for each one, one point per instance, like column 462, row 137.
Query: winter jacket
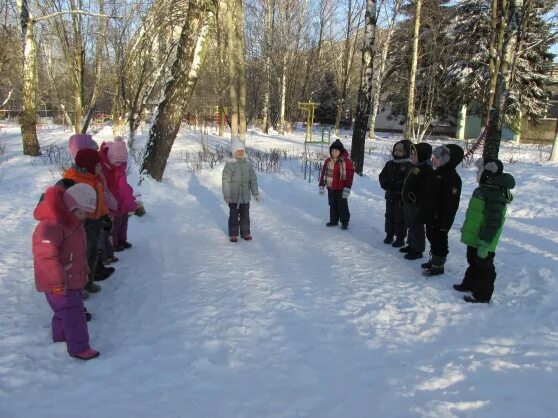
column 239, row 181
column 337, row 183
column 392, row 177
column 117, row 183
column 443, row 193
column 94, row 181
column 419, row 176
column 487, row 211
column 59, row 245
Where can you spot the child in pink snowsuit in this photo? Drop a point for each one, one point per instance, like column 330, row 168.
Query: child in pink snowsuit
column 60, row 263
column 114, row 158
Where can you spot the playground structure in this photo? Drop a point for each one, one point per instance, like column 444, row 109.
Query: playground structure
column 309, row 160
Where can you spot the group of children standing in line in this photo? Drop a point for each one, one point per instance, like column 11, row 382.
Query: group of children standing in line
column 423, row 191
column 83, row 221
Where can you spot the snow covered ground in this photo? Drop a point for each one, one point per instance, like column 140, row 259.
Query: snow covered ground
column 304, row 321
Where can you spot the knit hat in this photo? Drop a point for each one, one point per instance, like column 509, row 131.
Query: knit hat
column 80, row 141
column 237, row 145
column 423, row 151
column 80, row 196
column 117, row 151
column 489, row 167
column 88, row 159
column 338, row 145
column 442, row 153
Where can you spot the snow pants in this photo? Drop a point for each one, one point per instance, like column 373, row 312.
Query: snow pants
column 416, row 237
column 93, row 235
column 395, row 218
column 338, row 207
column 239, row 219
column 68, row 322
column 438, row 243
column 119, row 229
column 480, row 275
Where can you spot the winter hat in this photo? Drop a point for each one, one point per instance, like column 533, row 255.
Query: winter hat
column 338, row 145
column 117, row 151
column 80, row 141
column 88, row 159
column 237, row 145
column 442, row 153
column 423, row 151
column 489, row 167
column 401, row 149
column 80, row 196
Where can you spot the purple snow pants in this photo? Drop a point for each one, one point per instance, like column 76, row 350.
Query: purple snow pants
column 68, row 322
column 120, row 229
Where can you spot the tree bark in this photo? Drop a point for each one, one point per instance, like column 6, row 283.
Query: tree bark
column 283, row 95
column 413, row 75
column 28, row 118
column 184, row 75
column 498, row 16
column 267, row 64
column 365, row 88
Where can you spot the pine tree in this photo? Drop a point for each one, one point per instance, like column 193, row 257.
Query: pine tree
column 327, row 99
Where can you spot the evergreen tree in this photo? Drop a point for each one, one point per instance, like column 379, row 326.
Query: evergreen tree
column 327, row 98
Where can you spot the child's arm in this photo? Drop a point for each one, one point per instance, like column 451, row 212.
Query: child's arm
column 254, row 183
column 450, row 197
column 349, row 172
column 493, row 219
column 47, row 241
column 226, row 181
column 384, row 176
column 322, row 174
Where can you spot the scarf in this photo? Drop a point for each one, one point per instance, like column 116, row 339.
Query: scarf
column 329, row 171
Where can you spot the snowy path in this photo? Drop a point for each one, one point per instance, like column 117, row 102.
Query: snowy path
column 304, row 321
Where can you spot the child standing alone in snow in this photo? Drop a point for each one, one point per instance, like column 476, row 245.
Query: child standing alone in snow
column 483, row 225
column 239, row 183
column 60, row 263
column 337, row 175
column 392, row 177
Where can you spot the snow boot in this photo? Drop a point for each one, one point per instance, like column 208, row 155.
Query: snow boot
column 331, row 224
column 103, row 273
column 233, row 239
column 473, row 300
column 407, row 249
column 344, row 226
column 92, row 287
column 436, row 266
column 388, row 239
column 247, row 237
column 86, row 355
column 426, row 265
column 399, row 242
column 412, row 255
column 461, row 288
column 126, row 245
column 111, row 260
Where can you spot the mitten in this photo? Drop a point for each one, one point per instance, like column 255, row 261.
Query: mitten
column 322, row 190
column 59, row 290
column 346, row 192
column 482, row 249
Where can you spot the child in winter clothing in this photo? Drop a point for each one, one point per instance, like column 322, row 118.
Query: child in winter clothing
column 114, row 157
column 239, row 184
column 482, row 228
column 413, row 199
column 392, row 178
column 87, row 169
column 337, row 176
column 441, row 204
column 60, row 263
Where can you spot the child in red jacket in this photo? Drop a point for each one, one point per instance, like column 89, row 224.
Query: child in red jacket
column 60, row 263
column 337, row 175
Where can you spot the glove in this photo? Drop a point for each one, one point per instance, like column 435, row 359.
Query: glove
column 257, row 198
column 322, row 190
column 482, row 249
column 346, row 192
column 59, row 290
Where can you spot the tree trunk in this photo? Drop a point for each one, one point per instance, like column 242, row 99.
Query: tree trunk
column 184, row 75
column 413, row 75
column 267, row 64
column 283, row 95
column 365, row 88
column 233, row 75
column 496, row 121
column 240, row 67
column 497, row 28
column 28, row 118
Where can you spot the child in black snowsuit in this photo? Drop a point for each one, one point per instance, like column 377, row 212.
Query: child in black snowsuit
column 482, row 228
column 442, row 201
column 414, row 197
column 392, row 178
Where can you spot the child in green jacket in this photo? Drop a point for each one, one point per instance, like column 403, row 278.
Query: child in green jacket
column 482, row 228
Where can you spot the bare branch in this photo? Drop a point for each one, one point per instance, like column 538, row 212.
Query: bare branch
column 78, row 12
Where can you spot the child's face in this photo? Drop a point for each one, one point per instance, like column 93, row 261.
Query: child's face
column 79, row 213
column 239, row 153
column 335, row 153
column 436, row 163
column 399, row 151
column 414, row 158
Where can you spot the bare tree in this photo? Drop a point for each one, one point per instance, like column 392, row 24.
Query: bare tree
column 409, row 119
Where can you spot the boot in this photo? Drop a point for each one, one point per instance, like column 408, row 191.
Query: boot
column 388, row 239
column 92, row 287
column 473, row 300
column 437, row 266
column 412, row 255
column 344, row 226
column 103, row 273
column 247, row 237
column 461, row 288
column 407, row 249
column 426, row 265
column 232, row 238
column 331, row 224
column 126, row 244
column 86, row 355
column 399, row 242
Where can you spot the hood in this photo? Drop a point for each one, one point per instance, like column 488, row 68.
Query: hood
column 423, row 150
column 406, row 147
column 456, row 155
column 504, row 181
column 53, row 208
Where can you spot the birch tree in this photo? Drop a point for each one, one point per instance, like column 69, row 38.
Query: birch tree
column 178, row 89
column 410, row 115
column 365, row 89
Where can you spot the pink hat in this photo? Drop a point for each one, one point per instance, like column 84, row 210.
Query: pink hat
column 80, row 196
column 80, row 141
column 117, row 151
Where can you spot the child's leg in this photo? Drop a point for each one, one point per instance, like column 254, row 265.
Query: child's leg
column 399, row 221
column 485, row 277
column 123, row 231
column 70, row 310
column 244, row 219
column 57, row 323
column 333, row 213
column 343, row 208
column 115, row 233
column 470, row 274
column 390, row 212
column 233, row 219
